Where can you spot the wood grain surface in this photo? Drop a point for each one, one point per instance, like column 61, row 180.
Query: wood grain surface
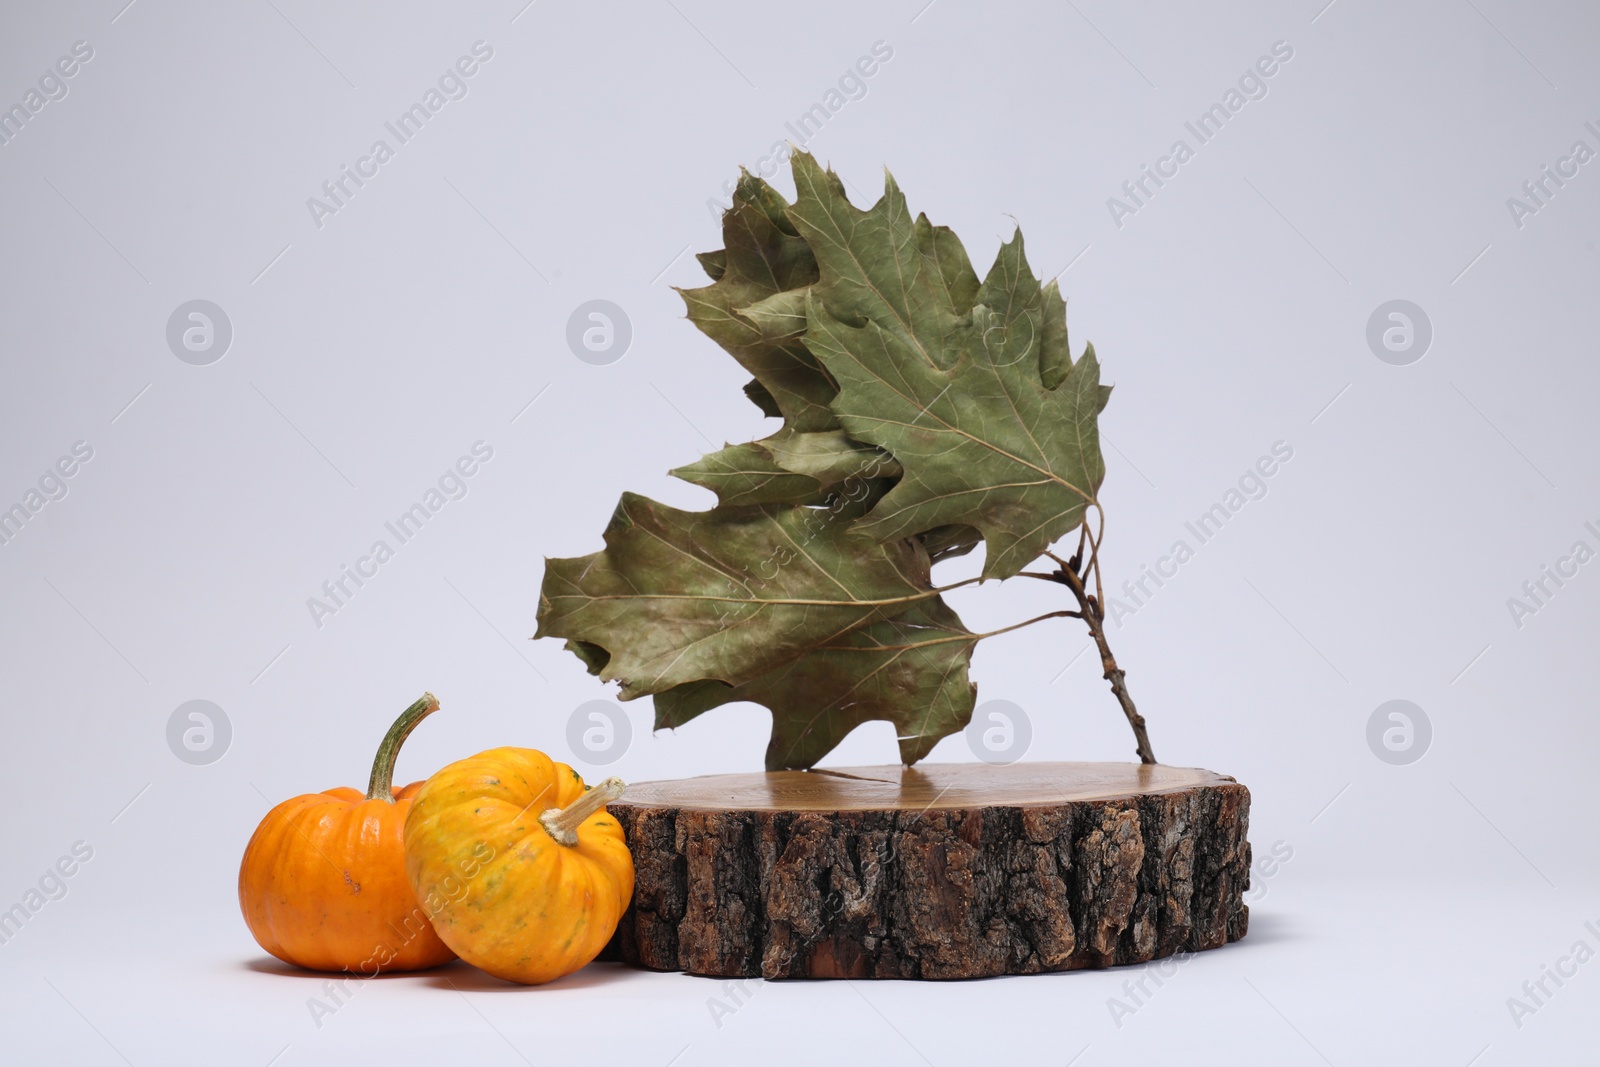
column 936, row 871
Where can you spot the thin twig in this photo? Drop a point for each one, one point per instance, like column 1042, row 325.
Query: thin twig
column 1030, row 622
column 1094, row 553
column 1094, row 615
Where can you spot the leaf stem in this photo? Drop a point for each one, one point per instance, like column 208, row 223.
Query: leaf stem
column 1030, row 622
column 963, row 637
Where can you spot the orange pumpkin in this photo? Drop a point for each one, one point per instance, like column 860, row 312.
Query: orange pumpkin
column 323, row 883
column 518, row 863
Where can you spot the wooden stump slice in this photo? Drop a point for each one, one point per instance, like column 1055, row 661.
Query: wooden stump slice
column 934, row 871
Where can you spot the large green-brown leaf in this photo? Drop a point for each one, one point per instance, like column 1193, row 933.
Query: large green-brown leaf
column 910, row 670
column 923, row 411
column 727, row 594
column 788, row 468
column 748, row 474
column 959, row 396
column 763, row 257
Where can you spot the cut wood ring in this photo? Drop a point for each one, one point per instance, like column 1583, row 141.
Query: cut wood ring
column 936, row 871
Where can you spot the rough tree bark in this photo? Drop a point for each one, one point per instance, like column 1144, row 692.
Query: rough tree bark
column 936, row 871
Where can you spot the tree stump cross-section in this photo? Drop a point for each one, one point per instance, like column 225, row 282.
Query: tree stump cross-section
column 937, row 871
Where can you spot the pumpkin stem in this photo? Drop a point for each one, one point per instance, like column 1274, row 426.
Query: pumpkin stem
column 562, row 823
column 381, row 785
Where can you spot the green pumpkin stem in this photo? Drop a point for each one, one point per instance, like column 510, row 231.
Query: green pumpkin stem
column 381, row 785
column 562, row 823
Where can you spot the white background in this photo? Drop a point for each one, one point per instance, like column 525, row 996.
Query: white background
column 372, row 351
